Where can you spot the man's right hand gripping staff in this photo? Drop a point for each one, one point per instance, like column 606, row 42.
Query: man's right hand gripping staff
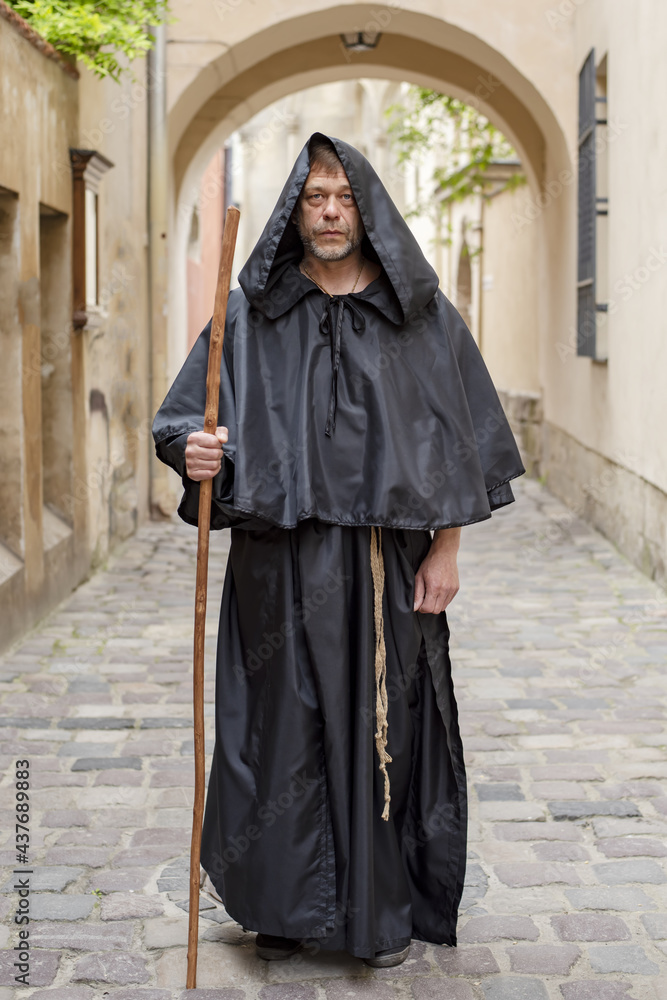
column 203, row 454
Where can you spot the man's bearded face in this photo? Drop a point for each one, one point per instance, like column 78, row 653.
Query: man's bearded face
column 327, row 216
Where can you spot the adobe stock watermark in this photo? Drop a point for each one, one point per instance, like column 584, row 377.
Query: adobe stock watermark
column 563, row 12
column 303, row 611
column 625, row 288
column 653, row 610
column 554, row 188
column 267, row 814
column 593, row 491
column 398, row 686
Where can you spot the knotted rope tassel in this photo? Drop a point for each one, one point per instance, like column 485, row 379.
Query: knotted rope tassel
column 381, row 699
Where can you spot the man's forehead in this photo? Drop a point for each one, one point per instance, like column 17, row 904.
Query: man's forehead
column 322, row 178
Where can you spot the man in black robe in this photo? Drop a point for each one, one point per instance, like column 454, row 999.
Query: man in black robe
column 356, row 418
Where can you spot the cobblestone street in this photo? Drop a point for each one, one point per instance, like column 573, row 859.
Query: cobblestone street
column 559, row 647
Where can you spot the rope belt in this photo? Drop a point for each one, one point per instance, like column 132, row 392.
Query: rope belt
column 381, row 699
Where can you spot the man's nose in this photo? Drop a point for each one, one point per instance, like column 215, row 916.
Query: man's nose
column 331, row 209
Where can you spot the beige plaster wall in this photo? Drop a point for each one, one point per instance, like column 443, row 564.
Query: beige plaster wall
column 112, row 120
column 37, row 126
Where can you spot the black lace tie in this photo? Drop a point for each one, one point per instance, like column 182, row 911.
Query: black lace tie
column 331, row 324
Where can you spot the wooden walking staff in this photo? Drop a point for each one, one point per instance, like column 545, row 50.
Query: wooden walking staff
column 204, row 522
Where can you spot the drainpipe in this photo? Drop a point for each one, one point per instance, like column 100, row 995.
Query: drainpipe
column 161, row 498
column 480, row 277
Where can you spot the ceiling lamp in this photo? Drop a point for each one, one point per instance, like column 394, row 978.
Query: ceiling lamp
column 360, row 41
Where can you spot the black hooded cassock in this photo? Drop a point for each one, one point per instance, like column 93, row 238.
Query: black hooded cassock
column 367, row 409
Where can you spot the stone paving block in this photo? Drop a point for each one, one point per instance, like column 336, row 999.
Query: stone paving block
column 595, row 989
column 513, row 988
column 43, row 969
column 545, row 959
column 120, row 881
column 47, row 877
column 564, row 810
column 227, row 993
column 150, row 748
column 540, row 899
column 83, row 937
column 434, row 989
column 631, row 789
column 656, row 925
column 63, row 906
column 517, row 812
column 55, row 780
column 106, row 763
column 627, row 847
column 166, row 932
column 370, row 989
column 129, row 905
column 97, row 722
column 87, row 750
column 629, row 827
column 91, row 857
column 119, row 778
column 287, row 991
column 590, row 927
column 147, row 993
column 217, row 966
column 497, row 928
column 463, row 961
column 157, row 836
column 602, row 898
column 622, row 872
column 495, row 773
column 504, row 792
column 628, row 958
column 89, row 838
column 119, row 817
column 111, row 967
column 537, row 831
column 554, row 850
column 541, row 704
column 66, row 817
column 65, row 993
column 144, row 856
column 165, row 722
column 524, row 875
column 569, row 790
column 172, row 777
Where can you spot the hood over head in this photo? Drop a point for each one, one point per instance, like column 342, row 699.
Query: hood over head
column 388, row 239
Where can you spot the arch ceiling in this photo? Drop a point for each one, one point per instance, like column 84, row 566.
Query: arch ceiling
column 291, row 55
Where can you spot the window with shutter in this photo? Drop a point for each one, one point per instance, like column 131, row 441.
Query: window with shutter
column 590, row 207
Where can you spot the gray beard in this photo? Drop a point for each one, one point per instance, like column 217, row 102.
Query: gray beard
column 335, row 253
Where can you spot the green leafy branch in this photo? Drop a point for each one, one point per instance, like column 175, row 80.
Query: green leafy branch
column 463, row 143
column 96, row 31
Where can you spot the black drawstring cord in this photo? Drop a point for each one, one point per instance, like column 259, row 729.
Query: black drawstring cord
column 332, row 328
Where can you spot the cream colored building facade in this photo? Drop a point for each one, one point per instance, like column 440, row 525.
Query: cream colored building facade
column 75, row 421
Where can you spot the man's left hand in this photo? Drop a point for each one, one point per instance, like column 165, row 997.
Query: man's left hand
column 437, row 579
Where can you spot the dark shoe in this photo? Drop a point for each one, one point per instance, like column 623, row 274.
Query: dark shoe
column 387, row 959
column 273, row 949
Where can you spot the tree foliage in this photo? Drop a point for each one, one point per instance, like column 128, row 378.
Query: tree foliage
column 96, row 31
column 462, row 143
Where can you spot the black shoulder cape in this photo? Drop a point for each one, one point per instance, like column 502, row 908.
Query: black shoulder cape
column 372, row 408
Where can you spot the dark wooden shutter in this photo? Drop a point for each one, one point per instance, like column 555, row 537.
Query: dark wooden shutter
column 586, row 309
